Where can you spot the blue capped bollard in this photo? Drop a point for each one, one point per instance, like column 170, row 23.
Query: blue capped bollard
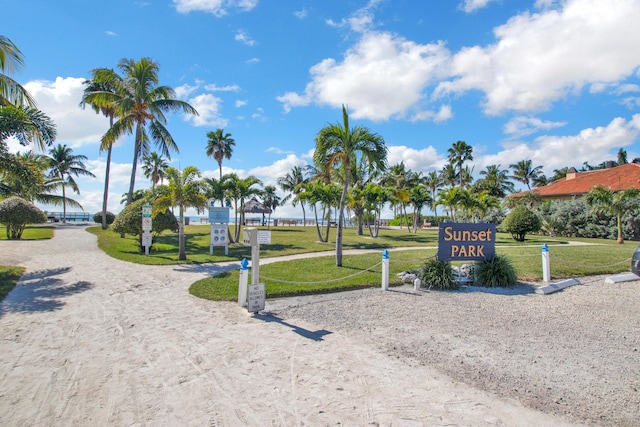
column 244, row 279
column 385, row 270
column 546, row 269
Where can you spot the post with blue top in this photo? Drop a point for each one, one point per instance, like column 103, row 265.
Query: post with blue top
column 244, row 279
column 385, row 270
column 546, row 269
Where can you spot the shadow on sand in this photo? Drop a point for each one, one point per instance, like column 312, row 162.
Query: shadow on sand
column 312, row 335
column 40, row 291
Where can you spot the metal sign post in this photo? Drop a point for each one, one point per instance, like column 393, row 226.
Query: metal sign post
column 219, row 220
column 256, row 295
column 147, row 223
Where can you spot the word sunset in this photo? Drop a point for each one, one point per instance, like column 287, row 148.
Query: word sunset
column 466, row 241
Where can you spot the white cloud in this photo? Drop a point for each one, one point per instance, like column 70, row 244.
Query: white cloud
column 523, row 126
column 59, row 100
column 216, row 7
column 544, row 57
column 243, row 37
column 423, row 160
column 241, row 103
column 301, row 14
column 227, row 88
column 472, row 5
column 381, row 76
column 208, row 107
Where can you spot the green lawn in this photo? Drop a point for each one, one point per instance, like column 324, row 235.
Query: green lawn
column 8, row 278
column 31, row 232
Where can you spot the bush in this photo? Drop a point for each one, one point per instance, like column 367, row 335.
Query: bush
column 520, row 221
column 97, row 217
column 436, row 274
column 16, row 213
column 495, row 272
column 129, row 220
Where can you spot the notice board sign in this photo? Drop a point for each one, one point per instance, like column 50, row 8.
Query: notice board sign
column 219, row 235
column 466, row 241
column 218, row 215
column 255, row 298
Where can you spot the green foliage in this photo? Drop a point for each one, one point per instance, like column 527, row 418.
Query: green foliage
column 436, row 274
column 495, row 272
column 97, row 217
column 520, row 221
column 129, row 220
column 16, row 213
column 9, row 276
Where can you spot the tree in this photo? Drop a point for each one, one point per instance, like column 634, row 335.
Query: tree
column 214, row 189
column 220, row 146
column 65, row 165
column 524, row 172
column 604, row 199
column 237, row 190
column 495, row 181
column 11, row 60
column 622, row 157
column 326, row 195
column 270, row 199
column 16, row 213
column 433, row 181
column 185, row 190
column 292, row 183
column 99, row 84
column 398, row 180
column 154, row 168
column 140, row 105
column 339, row 145
column 129, row 220
column 459, row 153
column 420, row 196
column 520, row 221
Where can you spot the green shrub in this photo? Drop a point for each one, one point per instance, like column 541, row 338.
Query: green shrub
column 97, row 217
column 436, row 274
column 520, row 221
column 129, row 220
column 16, row 213
column 497, row 272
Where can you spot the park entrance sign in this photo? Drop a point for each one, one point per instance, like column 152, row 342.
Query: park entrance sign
column 466, row 241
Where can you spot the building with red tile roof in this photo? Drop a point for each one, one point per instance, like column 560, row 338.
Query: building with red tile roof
column 577, row 184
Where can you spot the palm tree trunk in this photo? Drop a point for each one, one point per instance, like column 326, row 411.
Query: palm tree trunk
column 136, row 153
column 620, row 237
column 106, row 188
column 64, row 202
column 182, row 254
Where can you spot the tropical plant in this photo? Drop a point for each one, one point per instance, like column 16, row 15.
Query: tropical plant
column 110, row 217
column 604, row 199
column 437, row 275
column 129, row 220
column 292, row 183
column 99, row 84
column 214, row 189
column 459, row 153
column 339, row 145
column 495, row 272
column 375, row 197
column 524, row 172
column 184, row 191
column 433, row 181
column 495, row 181
column 16, row 213
column 521, row 221
column 63, row 164
column 155, row 168
column 326, row 195
column 220, row 146
column 237, row 190
column 140, row 105
column 419, row 197
column 270, row 199
column 11, row 60
column 398, row 181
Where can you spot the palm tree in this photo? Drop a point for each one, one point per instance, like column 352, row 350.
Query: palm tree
column 184, row 191
column 100, row 84
column 214, row 189
column 270, row 199
column 154, row 168
column 524, row 172
column 11, row 60
column 63, row 164
column 140, row 105
column 459, row 153
column 604, row 199
column 338, row 145
column 317, row 192
column 292, row 183
column 433, row 181
column 420, row 196
column 449, row 175
column 237, row 190
column 495, row 181
column 220, row 146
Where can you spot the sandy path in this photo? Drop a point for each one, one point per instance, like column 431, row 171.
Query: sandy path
column 89, row 340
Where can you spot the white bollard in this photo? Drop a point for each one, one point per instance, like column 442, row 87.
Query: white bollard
column 242, row 285
column 385, row 270
column 546, row 269
column 417, row 284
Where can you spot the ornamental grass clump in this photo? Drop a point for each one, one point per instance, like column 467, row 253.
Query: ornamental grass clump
column 438, row 275
column 497, row 272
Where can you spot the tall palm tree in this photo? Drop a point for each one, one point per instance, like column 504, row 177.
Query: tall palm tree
column 338, row 145
column 63, row 164
column 99, row 84
column 399, row 180
column 237, row 190
column 524, row 172
column 433, row 181
column 220, row 146
column 154, row 168
column 140, row 105
column 459, row 153
column 11, row 60
column 270, row 199
column 449, row 175
column 604, row 199
column 495, row 181
column 214, row 189
column 185, row 190
column 292, row 183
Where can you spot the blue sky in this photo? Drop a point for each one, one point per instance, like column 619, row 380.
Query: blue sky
column 553, row 81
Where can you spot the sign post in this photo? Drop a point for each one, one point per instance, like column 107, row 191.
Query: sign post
column 219, row 220
column 256, row 295
column 466, row 241
column 147, row 223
